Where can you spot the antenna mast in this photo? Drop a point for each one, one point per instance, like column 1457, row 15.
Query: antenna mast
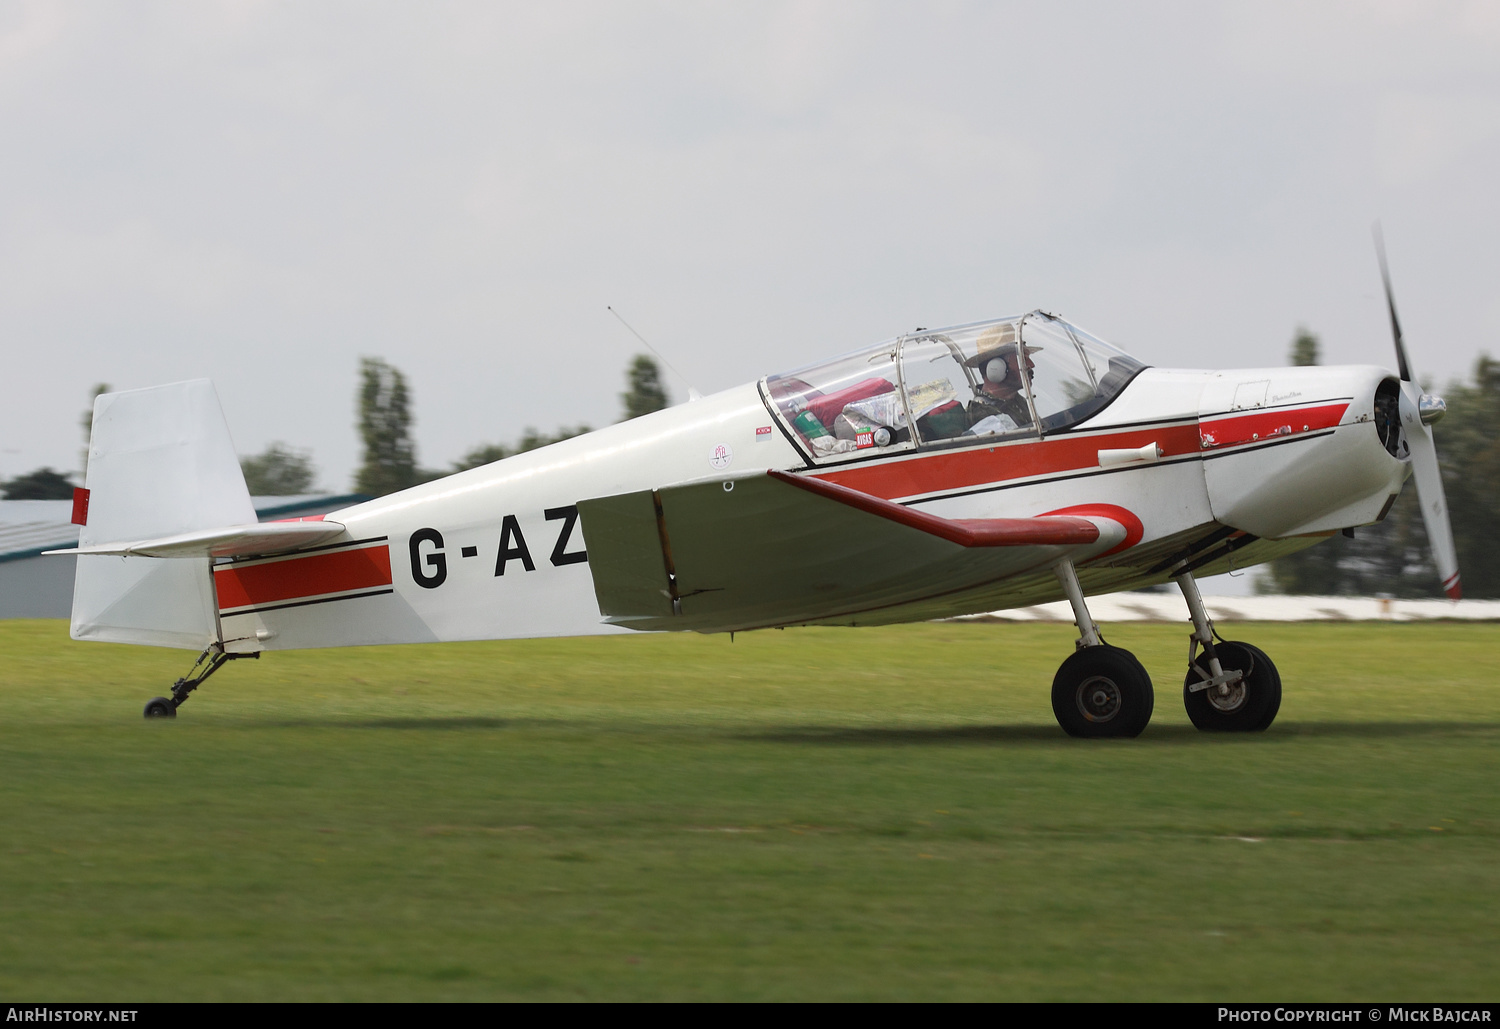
column 693, row 394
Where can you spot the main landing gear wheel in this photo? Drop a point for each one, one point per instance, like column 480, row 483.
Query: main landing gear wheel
column 160, row 707
column 1249, row 705
column 1102, row 691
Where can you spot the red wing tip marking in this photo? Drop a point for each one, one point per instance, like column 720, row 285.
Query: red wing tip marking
column 1054, row 530
column 1015, row 532
column 1454, row 588
column 1134, row 528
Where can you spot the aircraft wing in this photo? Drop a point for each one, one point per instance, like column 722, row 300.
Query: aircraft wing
column 230, row 541
column 778, row 549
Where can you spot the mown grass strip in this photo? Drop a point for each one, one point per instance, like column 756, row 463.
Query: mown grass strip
column 810, row 814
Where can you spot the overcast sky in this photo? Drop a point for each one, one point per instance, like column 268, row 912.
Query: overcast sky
column 261, row 193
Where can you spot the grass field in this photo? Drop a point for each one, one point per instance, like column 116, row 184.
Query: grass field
column 875, row 813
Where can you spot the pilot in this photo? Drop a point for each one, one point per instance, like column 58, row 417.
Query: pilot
column 1005, row 372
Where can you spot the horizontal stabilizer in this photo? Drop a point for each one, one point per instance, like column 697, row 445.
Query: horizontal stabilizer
column 231, row 541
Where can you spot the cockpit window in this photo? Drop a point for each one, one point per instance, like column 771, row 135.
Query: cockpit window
column 1009, row 378
column 842, row 406
column 947, row 389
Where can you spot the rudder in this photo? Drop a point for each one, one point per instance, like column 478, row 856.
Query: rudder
column 161, row 462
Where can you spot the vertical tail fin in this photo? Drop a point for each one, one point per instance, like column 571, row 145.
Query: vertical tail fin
column 160, row 462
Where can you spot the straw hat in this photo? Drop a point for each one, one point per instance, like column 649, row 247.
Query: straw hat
column 996, row 341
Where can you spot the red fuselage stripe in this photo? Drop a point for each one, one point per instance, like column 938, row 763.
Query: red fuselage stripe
column 1233, row 429
column 978, row 466
column 298, row 577
column 981, row 466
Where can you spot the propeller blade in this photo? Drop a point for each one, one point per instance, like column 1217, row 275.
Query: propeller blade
column 1424, row 463
column 1430, row 495
column 1402, row 364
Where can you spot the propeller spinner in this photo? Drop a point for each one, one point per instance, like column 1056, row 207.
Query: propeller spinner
column 1418, row 411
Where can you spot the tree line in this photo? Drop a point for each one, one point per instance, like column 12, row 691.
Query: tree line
column 1391, row 558
column 384, row 422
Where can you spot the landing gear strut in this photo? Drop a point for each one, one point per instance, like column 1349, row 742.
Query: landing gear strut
column 209, row 662
column 1232, row 687
column 1099, row 691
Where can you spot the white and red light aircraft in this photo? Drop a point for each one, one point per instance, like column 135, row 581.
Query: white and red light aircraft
column 999, row 464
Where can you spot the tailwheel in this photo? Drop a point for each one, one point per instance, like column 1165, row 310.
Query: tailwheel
column 1249, row 703
column 1102, row 691
column 210, row 661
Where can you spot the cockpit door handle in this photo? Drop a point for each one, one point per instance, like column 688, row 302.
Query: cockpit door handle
column 1142, row 455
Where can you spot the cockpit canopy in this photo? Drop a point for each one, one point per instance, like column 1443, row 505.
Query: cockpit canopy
column 1028, row 376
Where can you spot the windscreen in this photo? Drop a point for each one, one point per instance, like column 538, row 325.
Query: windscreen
column 1029, row 375
column 1072, row 374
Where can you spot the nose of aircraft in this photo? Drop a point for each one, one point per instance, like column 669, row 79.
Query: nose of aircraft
column 1299, row 451
column 1288, row 451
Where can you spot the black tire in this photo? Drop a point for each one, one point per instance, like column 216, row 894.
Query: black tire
column 1249, row 707
column 1273, row 706
column 1101, row 692
column 160, row 707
